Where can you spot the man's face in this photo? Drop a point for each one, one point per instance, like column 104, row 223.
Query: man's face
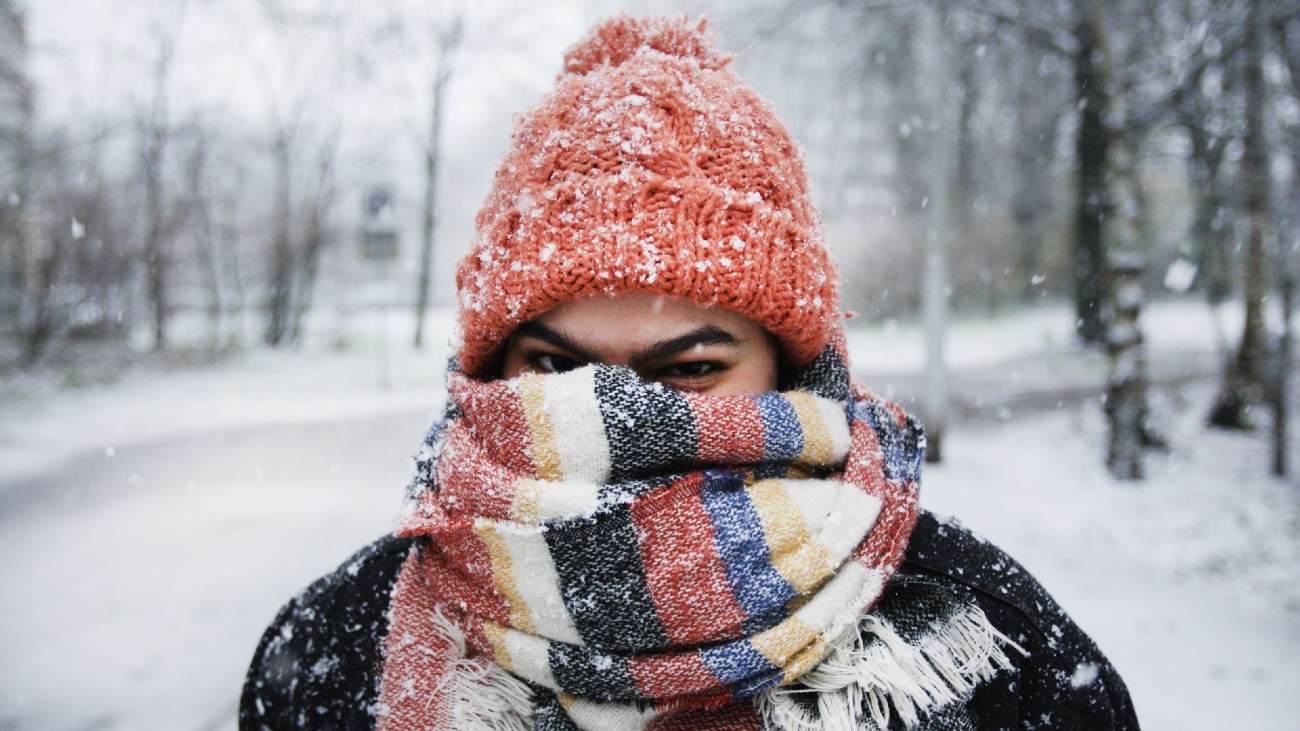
column 674, row 341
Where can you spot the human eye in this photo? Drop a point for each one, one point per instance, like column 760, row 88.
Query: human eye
column 691, row 372
column 691, row 369
column 551, row 363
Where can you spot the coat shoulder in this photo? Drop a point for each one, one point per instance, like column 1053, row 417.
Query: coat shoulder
column 1061, row 679
column 315, row 666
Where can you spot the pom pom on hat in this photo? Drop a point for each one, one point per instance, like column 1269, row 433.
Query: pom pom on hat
column 650, row 168
column 615, row 41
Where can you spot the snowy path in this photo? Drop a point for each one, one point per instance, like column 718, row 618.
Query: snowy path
column 148, row 532
column 138, row 584
column 1189, row 581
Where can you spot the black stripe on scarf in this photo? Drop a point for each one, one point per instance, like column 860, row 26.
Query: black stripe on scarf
column 603, row 582
column 827, row 376
column 591, row 673
column 650, row 430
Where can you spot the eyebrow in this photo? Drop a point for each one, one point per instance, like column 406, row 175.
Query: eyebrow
column 538, row 331
column 662, row 350
column 665, row 349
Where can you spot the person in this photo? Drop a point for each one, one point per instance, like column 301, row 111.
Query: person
column 658, row 499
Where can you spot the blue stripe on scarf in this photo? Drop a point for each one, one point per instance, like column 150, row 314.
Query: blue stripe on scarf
column 758, row 588
column 903, row 446
column 782, row 435
column 753, row 686
column 733, row 662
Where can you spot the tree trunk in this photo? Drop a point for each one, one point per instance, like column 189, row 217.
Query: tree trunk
column 314, row 243
column 1281, row 377
column 1244, row 377
column 15, row 204
column 1092, row 148
column 157, row 244
column 1209, row 231
column 230, row 261
column 42, row 324
column 1126, row 403
column 280, row 289
column 432, row 159
column 963, row 198
column 199, row 212
column 1031, row 208
column 155, row 257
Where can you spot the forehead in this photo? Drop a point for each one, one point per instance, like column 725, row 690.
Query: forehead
column 635, row 320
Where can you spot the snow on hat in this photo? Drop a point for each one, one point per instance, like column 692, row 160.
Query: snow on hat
column 650, row 168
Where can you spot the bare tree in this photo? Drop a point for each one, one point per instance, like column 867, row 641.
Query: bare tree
column 1093, row 141
column 449, row 34
column 1079, row 32
column 198, row 213
column 82, row 267
column 306, row 124
column 155, row 137
column 1201, row 103
column 1035, row 131
column 316, row 234
column 1286, row 31
column 1244, row 377
column 280, row 281
column 16, row 161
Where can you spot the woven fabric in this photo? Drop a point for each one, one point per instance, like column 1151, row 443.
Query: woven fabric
column 635, row 550
column 650, row 168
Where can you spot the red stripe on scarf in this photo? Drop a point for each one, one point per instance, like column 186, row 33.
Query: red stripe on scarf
column 472, row 483
column 505, row 433
column 730, row 431
column 460, row 567
column 417, row 658
column 884, row 546
column 671, row 674
column 682, row 567
column 735, row 717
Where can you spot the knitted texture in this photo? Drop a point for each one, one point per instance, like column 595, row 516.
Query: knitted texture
column 636, row 551
column 650, row 168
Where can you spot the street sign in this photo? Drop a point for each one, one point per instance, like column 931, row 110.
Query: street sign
column 379, row 233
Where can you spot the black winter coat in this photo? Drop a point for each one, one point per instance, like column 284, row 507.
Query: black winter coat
column 317, row 664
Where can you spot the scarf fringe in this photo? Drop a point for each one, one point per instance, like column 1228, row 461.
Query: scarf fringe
column 860, row 677
column 484, row 696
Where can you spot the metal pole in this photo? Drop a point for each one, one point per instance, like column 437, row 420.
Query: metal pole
column 385, row 279
column 937, row 238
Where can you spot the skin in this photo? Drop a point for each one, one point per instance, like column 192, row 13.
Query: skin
column 676, row 342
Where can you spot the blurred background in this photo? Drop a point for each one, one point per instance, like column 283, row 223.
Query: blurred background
column 1068, row 232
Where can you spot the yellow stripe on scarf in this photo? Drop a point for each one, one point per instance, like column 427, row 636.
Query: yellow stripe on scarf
column 546, row 458
column 802, row 562
column 526, row 506
column 503, row 576
column 784, row 641
column 496, row 637
column 818, row 446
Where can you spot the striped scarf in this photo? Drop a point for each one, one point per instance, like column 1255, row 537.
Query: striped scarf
column 603, row 552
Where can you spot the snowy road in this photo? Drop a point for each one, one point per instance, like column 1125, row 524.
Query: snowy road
column 137, row 583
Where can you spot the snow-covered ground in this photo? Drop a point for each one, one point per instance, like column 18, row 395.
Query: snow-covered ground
column 150, row 529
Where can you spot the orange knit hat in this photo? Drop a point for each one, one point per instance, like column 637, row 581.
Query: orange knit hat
column 650, row 168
